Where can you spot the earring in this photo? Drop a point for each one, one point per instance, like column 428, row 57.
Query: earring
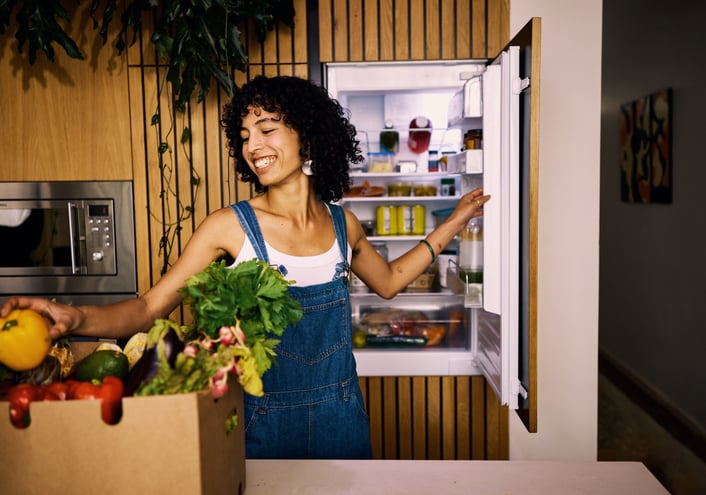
column 306, row 167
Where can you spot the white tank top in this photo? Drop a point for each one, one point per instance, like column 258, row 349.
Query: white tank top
column 303, row 270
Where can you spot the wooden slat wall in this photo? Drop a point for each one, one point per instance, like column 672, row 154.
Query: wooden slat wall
column 411, row 417
column 366, row 30
column 423, row 417
column 435, row 418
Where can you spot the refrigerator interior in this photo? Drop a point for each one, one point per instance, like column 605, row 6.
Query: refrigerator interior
column 376, row 94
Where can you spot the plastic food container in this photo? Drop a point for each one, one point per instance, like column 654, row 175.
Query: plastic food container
column 380, row 162
column 440, row 216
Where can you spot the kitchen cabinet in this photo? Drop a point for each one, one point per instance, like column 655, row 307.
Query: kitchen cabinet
column 500, row 338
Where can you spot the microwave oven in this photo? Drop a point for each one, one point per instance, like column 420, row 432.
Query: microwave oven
column 71, row 241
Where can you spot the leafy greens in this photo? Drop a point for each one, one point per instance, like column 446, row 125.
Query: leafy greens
column 252, row 295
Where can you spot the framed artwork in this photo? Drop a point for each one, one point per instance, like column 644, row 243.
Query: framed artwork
column 646, row 149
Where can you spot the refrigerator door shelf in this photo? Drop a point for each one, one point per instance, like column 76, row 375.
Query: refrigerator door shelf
column 466, row 103
column 466, row 162
column 458, row 284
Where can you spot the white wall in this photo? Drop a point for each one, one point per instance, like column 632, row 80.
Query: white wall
column 569, row 177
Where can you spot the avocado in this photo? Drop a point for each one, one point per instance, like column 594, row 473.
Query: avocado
column 100, row 364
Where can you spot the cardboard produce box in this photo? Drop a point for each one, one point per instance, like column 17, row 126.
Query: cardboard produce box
column 167, row 444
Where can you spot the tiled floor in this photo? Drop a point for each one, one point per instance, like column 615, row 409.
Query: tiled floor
column 627, row 433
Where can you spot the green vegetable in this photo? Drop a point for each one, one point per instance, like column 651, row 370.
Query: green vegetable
column 100, row 364
column 252, row 294
column 395, row 341
column 174, row 373
column 239, row 316
column 163, row 345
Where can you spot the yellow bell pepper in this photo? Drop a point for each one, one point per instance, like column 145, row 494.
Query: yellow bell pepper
column 24, row 340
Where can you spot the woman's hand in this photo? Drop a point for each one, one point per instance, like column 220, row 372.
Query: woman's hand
column 62, row 319
column 469, row 206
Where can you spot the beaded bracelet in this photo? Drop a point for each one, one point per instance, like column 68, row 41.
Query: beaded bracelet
column 431, row 249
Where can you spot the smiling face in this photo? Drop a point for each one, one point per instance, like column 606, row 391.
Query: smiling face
column 270, row 147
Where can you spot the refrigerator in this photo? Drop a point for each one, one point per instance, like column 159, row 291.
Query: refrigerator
column 430, row 131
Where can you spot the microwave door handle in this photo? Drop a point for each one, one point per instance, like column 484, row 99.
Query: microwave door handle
column 72, row 238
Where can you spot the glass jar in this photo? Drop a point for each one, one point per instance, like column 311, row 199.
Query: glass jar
column 470, row 252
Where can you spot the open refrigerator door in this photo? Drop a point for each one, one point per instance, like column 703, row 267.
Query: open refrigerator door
column 483, row 330
column 495, row 329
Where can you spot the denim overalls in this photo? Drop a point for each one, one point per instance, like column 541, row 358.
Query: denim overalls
column 312, row 407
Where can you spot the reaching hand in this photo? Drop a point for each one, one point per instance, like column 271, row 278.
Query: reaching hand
column 62, row 318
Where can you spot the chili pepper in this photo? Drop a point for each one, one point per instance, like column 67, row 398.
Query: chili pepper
column 110, row 392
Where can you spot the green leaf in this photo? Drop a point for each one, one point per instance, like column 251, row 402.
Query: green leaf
column 185, row 135
column 250, row 292
column 199, row 40
column 6, row 7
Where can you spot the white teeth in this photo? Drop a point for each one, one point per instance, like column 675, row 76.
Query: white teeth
column 263, row 162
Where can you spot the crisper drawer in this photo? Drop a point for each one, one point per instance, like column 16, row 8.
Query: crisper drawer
column 412, row 334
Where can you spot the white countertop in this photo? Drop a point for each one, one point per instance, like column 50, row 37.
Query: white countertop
column 294, row 477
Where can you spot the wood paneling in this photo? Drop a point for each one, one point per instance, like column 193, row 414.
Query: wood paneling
column 411, row 29
column 435, row 418
column 67, row 120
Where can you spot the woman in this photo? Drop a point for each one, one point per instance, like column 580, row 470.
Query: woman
column 294, row 144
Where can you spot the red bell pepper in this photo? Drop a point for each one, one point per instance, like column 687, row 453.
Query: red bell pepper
column 109, row 391
column 60, row 389
column 21, row 396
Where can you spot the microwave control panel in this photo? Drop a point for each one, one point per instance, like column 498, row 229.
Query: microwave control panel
column 100, row 236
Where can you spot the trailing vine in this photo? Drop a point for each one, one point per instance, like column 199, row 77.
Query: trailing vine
column 172, row 228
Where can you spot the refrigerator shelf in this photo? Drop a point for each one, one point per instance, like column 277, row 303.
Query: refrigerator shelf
column 398, row 199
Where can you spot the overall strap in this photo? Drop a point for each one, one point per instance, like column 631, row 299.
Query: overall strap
column 248, row 221
column 339, row 226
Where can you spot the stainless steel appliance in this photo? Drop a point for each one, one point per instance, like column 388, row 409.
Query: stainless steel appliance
column 70, row 241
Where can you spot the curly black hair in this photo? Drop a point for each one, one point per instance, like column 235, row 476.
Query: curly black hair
column 326, row 135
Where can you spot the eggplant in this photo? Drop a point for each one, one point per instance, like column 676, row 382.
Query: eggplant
column 147, row 366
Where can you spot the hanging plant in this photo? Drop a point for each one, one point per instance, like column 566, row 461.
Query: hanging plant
column 198, row 40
